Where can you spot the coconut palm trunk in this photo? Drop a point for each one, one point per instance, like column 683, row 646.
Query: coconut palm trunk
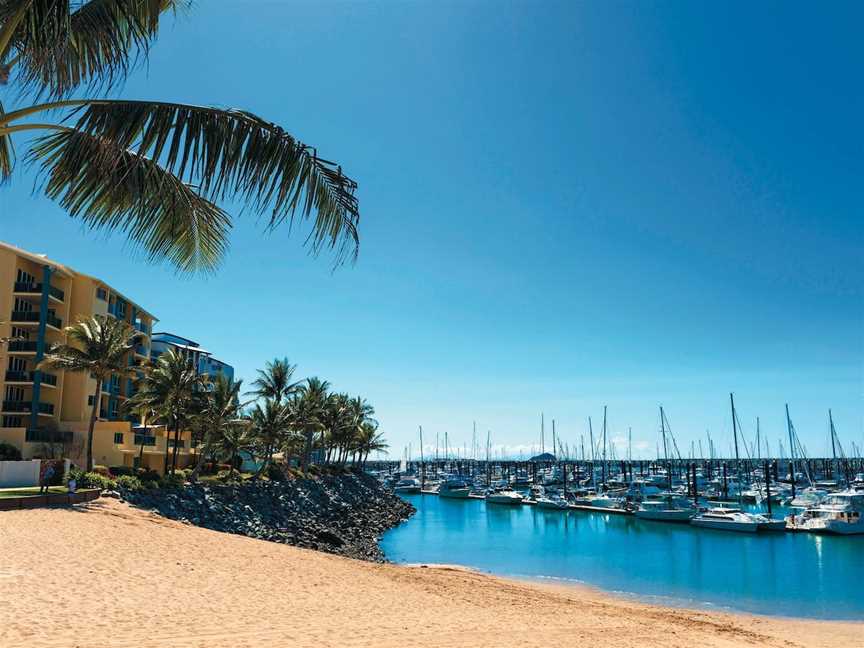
column 93, row 412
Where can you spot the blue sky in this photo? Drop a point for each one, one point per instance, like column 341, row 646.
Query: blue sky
column 564, row 206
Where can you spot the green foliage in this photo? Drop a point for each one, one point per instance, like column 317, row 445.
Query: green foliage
column 147, row 475
column 153, row 170
column 101, row 470
column 129, row 483
column 8, row 452
column 97, row 480
column 171, row 481
column 119, row 471
column 225, row 475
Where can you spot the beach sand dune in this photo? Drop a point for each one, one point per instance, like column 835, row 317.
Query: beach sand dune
column 111, row 575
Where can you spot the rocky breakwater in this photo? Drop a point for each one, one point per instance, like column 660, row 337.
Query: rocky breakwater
column 344, row 514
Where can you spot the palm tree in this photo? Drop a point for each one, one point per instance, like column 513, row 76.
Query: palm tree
column 369, row 440
column 172, row 387
column 219, row 410
column 274, row 381
column 233, row 439
column 308, row 409
column 152, row 170
column 269, row 425
column 99, row 345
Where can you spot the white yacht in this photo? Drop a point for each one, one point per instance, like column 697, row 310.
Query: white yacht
column 407, row 485
column 669, row 508
column 555, row 502
column 808, row 497
column 731, row 519
column 841, row 513
column 504, row 496
column 454, row 488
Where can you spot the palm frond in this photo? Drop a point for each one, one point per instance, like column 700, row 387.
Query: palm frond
column 235, row 154
column 63, row 45
column 110, row 187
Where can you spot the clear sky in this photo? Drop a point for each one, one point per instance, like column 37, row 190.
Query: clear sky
column 563, row 206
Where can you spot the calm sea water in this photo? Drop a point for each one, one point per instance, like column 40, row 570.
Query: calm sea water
column 784, row 574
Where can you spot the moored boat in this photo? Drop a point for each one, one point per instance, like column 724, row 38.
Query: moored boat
column 455, row 489
column 667, row 509
column 504, row 496
column 841, row 513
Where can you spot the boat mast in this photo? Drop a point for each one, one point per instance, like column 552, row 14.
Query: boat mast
column 604, row 445
column 758, row 441
column 665, row 449
column 630, row 444
column 542, row 435
column 554, row 440
column 735, row 437
column 422, row 463
column 791, row 450
column 833, row 445
column 591, row 440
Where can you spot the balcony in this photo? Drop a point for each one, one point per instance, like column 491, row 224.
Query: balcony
column 29, row 377
column 16, row 407
column 35, row 288
column 141, row 327
column 146, row 440
column 47, row 436
column 33, row 317
column 141, row 350
column 22, row 346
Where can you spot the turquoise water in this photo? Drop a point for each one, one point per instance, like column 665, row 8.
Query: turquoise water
column 788, row 574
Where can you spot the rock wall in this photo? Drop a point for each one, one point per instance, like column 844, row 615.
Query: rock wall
column 343, row 514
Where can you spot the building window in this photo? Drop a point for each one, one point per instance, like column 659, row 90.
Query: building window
column 12, row 421
column 90, row 400
column 102, row 294
column 118, row 438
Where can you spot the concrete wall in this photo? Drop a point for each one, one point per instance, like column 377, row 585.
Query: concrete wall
column 15, row 474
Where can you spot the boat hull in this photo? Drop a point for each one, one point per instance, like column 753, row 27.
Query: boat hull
column 505, row 501
column 406, row 489
column 682, row 516
column 720, row 525
column 456, row 493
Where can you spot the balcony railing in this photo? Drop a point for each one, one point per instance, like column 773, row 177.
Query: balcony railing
column 27, row 406
column 141, row 439
column 33, row 316
column 23, row 346
column 35, row 288
column 30, row 376
column 48, row 436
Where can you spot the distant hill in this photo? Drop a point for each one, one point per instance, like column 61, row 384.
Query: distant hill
column 545, row 457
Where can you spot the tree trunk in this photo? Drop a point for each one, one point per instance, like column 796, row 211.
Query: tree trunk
column 174, row 453
column 167, row 436
column 96, row 398
column 307, row 453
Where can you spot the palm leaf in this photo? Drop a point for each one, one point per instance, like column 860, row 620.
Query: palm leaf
column 110, row 187
column 231, row 153
column 63, row 45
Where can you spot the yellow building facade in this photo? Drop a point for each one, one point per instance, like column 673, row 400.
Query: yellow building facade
column 46, row 413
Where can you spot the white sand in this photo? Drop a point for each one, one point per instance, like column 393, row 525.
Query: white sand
column 112, row 575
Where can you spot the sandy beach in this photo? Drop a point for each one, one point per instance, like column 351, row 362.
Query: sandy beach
column 111, row 575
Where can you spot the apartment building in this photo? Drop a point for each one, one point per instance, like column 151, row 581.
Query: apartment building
column 200, row 358
column 47, row 413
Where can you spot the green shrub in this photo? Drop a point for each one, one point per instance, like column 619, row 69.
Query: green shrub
column 183, row 473
column 97, row 480
column 150, row 484
column 171, row 481
column 147, row 474
column 118, row 471
column 129, row 482
column 102, row 470
column 8, row 452
column 224, row 475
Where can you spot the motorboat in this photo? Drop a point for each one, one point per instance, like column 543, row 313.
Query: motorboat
column 841, row 513
column 732, row 519
column 808, row 497
column 504, row 496
column 669, row 508
column 407, row 485
column 555, row 502
column 454, row 488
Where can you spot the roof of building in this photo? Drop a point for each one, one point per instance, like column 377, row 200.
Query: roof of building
column 38, row 258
